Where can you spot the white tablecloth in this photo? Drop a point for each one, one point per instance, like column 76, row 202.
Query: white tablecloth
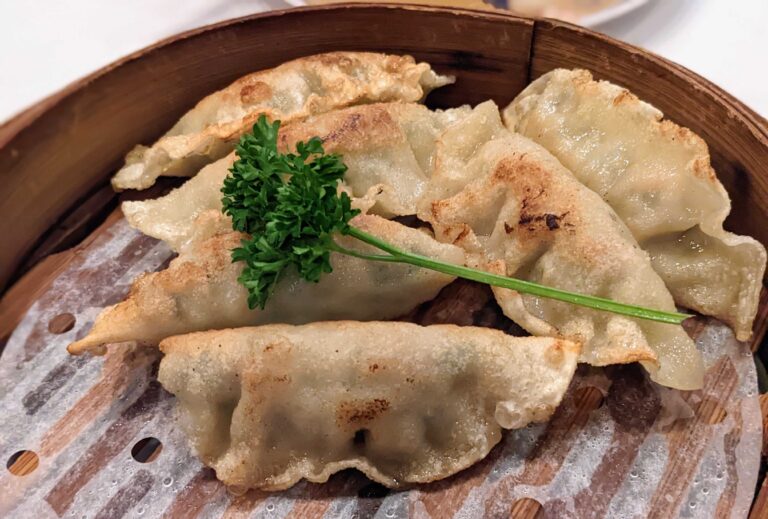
column 46, row 44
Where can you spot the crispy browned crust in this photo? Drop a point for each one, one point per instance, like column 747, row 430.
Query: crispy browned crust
column 327, row 82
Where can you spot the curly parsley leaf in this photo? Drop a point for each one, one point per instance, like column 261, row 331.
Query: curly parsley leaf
column 291, row 206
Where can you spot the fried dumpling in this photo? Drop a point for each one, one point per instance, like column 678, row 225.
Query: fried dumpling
column 172, row 218
column 389, row 146
column 296, row 89
column 658, row 178
column 522, row 214
column 268, row 406
column 199, row 289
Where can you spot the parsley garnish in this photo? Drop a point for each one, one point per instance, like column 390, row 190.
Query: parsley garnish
column 290, row 205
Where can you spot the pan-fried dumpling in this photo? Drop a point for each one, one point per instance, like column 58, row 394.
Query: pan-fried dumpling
column 521, row 213
column 200, row 291
column 268, row 406
column 296, row 89
column 657, row 177
column 172, row 218
column 388, row 145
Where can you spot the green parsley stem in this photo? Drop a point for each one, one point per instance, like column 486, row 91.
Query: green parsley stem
column 373, row 257
column 527, row 287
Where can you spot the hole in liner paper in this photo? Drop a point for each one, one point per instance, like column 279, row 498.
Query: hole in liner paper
column 62, row 323
column 526, row 508
column 146, row 450
column 710, row 411
column 22, row 463
column 589, row 397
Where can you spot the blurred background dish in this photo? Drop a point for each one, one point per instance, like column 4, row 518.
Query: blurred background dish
column 46, row 45
column 582, row 12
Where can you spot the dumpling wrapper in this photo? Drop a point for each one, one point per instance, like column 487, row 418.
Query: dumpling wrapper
column 521, row 213
column 199, row 289
column 296, row 89
column 658, row 178
column 268, row 406
column 387, row 145
column 173, row 218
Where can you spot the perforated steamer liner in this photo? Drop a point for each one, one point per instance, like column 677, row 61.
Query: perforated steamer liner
column 618, row 446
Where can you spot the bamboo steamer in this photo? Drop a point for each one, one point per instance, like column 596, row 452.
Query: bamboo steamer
column 56, row 159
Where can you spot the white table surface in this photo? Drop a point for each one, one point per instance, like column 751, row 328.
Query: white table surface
column 46, row 44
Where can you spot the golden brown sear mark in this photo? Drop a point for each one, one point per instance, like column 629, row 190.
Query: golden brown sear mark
column 255, row 92
column 552, row 221
column 349, row 125
column 357, row 412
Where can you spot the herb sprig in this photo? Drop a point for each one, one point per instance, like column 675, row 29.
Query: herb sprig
column 290, row 205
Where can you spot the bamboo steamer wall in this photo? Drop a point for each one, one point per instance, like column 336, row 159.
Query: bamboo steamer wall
column 61, row 151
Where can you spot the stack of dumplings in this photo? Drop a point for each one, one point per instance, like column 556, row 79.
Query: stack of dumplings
column 576, row 184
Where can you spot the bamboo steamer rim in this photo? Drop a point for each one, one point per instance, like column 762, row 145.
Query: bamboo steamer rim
column 26, row 133
column 19, row 122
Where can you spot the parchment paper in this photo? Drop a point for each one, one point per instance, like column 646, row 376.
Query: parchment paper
column 639, row 451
